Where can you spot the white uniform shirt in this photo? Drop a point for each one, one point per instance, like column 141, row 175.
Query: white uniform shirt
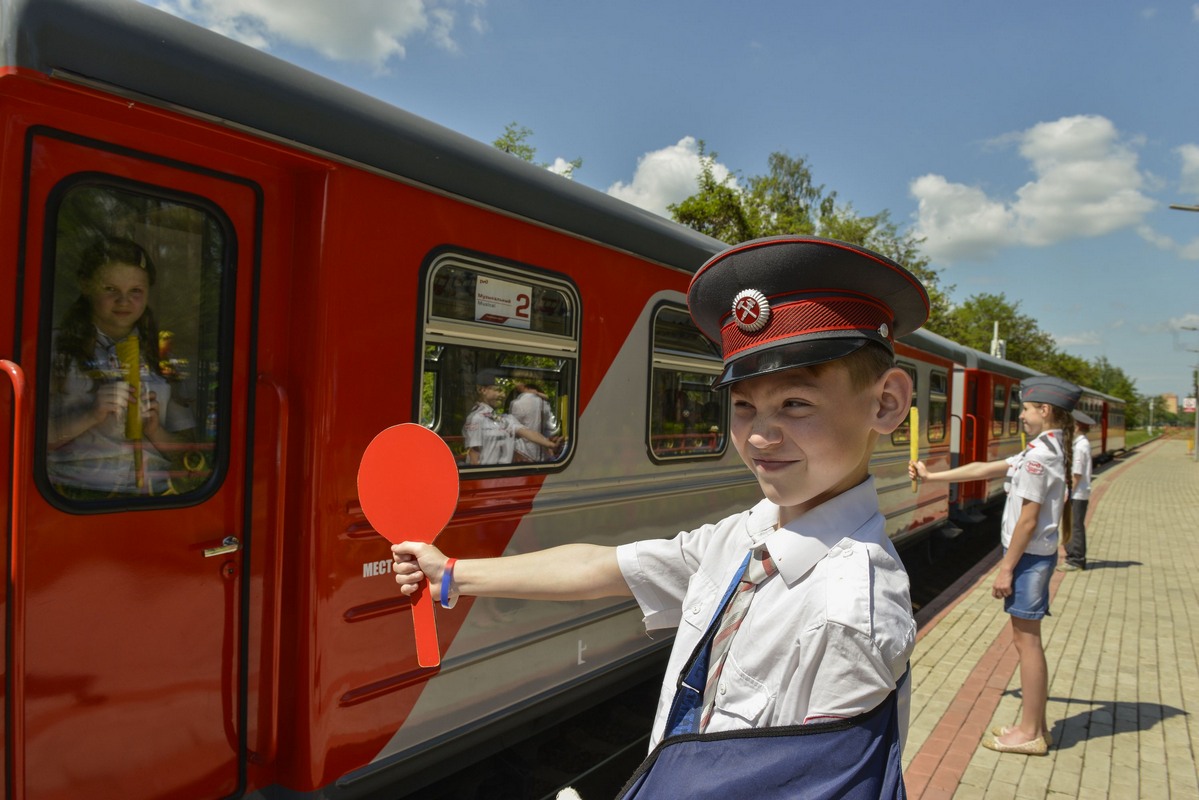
column 827, row 637
column 533, row 411
column 101, row 458
column 492, row 432
column 1081, row 468
column 1039, row 475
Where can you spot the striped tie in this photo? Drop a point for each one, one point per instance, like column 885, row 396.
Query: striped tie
column 760, row 568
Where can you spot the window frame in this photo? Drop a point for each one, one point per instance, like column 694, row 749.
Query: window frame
column 477, row 336
column 225, row 296
column 678, row 361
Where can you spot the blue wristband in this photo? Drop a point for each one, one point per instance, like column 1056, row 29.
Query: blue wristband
column 447, row 577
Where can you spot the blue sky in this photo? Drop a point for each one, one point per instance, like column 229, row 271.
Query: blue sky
column 1036, row 145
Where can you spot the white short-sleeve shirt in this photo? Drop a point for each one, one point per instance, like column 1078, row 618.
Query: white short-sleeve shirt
column 493, row 433
column 1081, row 467
column 829, row 636
column 1039, row 475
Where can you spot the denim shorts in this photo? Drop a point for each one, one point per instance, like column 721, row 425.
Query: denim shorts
column 1030, row 587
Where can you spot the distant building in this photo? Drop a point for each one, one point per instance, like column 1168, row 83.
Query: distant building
column 1170, row 401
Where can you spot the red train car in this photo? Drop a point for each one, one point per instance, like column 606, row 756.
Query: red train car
column 198, row 608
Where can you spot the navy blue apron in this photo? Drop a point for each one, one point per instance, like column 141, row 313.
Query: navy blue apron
column 854, row 759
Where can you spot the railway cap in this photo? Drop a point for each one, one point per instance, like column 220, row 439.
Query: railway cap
column 1082, row 418
column 1054, row 391
column 792, row 301
column 488, row 377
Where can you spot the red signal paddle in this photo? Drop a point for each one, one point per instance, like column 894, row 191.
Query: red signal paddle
column 408, row 488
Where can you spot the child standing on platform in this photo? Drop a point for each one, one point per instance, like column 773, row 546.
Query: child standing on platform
column 1038, row 483
column 793, row 617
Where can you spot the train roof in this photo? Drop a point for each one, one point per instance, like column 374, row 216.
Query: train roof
column 132, row 48
column 976, row 359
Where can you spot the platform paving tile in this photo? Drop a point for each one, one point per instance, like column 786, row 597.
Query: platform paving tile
column 1121, row 646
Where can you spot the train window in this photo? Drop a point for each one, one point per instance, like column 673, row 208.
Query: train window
column 460, row 292
column 1013, row 411
column 997, row 414
column 938, row 406
column 134, row 360
column 687, row 417
column 500, row 362
column 903, row 434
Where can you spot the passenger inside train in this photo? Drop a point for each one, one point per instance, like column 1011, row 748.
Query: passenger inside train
column 132, row 409
column 490, row 435
column 111, row 407
column 793, row 617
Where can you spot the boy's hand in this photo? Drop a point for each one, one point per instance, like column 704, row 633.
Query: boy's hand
column 917, row 471
column 414, row 562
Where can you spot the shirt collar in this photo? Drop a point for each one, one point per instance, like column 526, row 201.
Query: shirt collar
column 796, row 547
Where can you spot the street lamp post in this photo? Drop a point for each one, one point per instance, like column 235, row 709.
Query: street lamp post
column 1195, row 389
column 1195, row 373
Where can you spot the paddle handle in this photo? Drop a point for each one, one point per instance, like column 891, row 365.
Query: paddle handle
column 424, row 624
column 914, row 439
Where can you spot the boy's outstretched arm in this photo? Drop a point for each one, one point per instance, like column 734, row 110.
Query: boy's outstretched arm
column 568, row 572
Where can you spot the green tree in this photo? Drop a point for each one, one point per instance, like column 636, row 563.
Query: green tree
column 972, row 323
column 515, row 141
column 717, row 209
column 787, row 200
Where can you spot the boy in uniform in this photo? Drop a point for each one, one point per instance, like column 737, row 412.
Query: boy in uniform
column 793, row 617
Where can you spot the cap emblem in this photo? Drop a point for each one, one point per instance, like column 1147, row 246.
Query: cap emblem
column 751, row 310
column 884, row 331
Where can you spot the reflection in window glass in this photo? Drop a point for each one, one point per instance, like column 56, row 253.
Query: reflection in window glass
column 497, row 408
column 1013, row 411
column 903, row 434
column 998, row 409
column 464, row 294
column 506, row 403
column 687, row 417
column 134, row 363
column 938, row 406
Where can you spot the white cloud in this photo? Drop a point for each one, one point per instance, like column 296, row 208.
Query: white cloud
column 1078, row 339
column 1086, row 183
column 1189, row 183
column 373, row 31
column 667, row 176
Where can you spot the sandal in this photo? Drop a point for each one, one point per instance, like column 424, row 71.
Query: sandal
column 1004, row 730
column 1035, row 747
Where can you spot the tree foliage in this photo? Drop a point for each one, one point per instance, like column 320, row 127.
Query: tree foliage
column 515, row 141
column 787, row 200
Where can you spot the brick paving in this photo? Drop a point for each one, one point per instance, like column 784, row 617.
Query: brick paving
column 1121, row 644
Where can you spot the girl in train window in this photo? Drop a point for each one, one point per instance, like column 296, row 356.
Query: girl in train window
column 123, row 416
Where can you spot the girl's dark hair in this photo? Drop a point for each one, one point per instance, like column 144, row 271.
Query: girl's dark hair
column 1065, row 420
column 77, row 334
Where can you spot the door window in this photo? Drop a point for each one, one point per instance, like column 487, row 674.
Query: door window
column 134, row 380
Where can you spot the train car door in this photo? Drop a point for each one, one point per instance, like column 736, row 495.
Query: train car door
column 134, row 332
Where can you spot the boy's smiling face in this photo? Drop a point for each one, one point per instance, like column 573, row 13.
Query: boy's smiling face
column 807, row 434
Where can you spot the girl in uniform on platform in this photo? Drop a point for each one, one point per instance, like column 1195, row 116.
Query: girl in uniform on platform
column 1038, row 483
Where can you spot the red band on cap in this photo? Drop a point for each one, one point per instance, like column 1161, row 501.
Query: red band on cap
column 808, row 316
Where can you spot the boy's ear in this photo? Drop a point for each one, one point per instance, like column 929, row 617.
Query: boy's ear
column 893, row 391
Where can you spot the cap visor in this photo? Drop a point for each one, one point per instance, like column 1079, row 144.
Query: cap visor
column 798, row 354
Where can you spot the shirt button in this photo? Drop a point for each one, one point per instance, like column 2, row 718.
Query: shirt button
column 723, row 688
column 848, row 552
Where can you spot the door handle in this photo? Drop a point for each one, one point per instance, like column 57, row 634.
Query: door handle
column 230, row 544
